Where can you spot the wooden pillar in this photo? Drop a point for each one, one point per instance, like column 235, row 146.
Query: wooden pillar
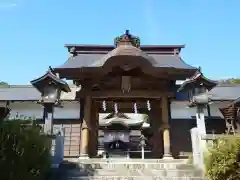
column 165, row 127
column 93, row 141
column 85, row 128
column 155, row 121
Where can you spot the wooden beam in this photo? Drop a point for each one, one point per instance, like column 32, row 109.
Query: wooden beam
column 114, row 94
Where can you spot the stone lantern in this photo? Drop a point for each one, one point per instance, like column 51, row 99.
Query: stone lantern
column 50, row 86
column 196, row 87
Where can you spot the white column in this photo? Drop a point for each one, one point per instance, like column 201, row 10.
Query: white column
column 198, row 151
column 142, row 151
column 128, row 156
column 200, row 120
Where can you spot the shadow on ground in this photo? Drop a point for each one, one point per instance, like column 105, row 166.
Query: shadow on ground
column 70, row 170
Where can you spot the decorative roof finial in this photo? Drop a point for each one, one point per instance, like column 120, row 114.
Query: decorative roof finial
column 200, row 69
column 127, row 38
column 73, row 51
column 50, row 68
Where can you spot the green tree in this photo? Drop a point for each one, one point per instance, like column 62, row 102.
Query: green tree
column 235, row 81
column 230, row 81
column 145, row 118
column 3, row 84
column 24, row 151
column 223, row 159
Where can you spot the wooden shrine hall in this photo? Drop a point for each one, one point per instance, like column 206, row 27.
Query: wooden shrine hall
column 123, row 76
column 231, row 114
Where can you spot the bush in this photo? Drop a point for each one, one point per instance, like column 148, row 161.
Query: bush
column 223, row 160
column 24, row 152
column 190, row 159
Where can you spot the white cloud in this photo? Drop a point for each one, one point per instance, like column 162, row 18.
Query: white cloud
column 7, row 5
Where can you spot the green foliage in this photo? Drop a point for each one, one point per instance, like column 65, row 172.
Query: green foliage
column 223, row 159
column 3, row 84
column 24, row 151
column 145, row 118
column 235, row 81
column 230, row 81
column 190, row 159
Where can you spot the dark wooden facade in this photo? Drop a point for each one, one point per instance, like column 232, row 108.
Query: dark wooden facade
column 123, row 74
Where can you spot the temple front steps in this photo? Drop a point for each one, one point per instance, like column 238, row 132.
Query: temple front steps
column 132, row 169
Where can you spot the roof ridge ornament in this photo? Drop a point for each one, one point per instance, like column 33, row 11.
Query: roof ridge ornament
column 127, row 38
column 50, row 70
column 73, row 51
column 200, row 69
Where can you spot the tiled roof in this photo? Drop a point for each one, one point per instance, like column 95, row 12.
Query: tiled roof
column 29, row 93
column 97, row 60
column 228, row 92
column 49, row 74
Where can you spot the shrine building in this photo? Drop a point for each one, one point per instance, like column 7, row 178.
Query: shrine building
column 118, row 93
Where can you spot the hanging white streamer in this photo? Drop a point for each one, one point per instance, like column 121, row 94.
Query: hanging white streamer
column 116, row 108
column 104, row 105
column 135, row 108
column 148, row 105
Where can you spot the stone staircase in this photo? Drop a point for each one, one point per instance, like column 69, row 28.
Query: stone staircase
column 129, row 169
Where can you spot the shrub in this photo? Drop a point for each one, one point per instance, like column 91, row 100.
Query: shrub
column 24, row 152
column 223, row 159
column 190, row 159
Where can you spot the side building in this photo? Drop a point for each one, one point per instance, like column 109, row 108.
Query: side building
column 23, row 102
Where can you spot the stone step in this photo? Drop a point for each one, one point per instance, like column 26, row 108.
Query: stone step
column 148, row 172
column 132, row 170
column 139, row 166
column 133, row 178
column 132, row 161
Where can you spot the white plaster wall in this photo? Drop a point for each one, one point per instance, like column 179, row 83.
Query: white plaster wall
column 29, row 109
column 70, row 110
column 180, row 110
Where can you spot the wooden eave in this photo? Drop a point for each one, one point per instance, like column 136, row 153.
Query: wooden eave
column 229, row 112
column 90, row 72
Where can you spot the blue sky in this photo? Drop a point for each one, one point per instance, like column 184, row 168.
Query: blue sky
column 33, row 32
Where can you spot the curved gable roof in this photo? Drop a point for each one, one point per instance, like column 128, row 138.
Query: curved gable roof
column 97, row 59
